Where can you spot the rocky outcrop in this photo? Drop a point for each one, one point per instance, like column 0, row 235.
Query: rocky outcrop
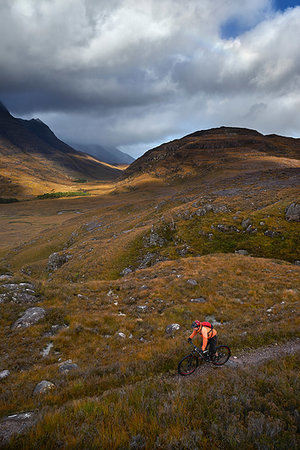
column 216, row 209
column 292, row 212
column 56, row 260
column 30, row 317
column 18, row 293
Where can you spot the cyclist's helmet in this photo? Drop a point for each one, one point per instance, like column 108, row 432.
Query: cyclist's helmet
column 196, row 324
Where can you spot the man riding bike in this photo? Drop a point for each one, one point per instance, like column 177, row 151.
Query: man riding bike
column 209, row 336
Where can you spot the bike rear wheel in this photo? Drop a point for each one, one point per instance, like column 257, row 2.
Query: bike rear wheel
column 222, row 355
column 188, row 365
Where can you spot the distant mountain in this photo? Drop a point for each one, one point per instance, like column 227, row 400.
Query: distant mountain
column 105, row 153
column 218, row 151
column 31, row 155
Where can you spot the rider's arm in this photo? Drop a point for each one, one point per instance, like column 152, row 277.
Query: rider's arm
column 193, row 334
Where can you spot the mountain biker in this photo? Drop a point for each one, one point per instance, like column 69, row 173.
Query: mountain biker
column 209, row 336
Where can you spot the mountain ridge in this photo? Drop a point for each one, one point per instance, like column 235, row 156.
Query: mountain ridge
column 30, row 153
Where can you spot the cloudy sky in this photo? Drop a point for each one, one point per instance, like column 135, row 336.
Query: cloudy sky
column 136, row 73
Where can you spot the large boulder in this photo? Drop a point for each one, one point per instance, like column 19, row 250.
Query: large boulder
column 30, row 317
column 43, row 387
column 292, row 212
column 15, row 424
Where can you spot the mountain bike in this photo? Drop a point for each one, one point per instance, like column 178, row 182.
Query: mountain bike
column 189, row 363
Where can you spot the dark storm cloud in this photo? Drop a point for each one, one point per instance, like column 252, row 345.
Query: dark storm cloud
column 132, row 73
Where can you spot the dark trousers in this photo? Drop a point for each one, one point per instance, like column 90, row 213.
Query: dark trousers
column 212, row 344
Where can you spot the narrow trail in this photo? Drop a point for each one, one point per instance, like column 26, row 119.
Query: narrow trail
column 20, row 422
column 253, row 357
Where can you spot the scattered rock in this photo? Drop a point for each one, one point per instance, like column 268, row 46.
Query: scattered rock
column 212, row 320
column 121, row 335
column 211, row 208
column 272, row 234
column 137, row 442
column 198, row 300
column 56, row 260
column 192, row 282
column 43, row 387
column 147, row 260
column 246, row 223
column 170, row 329
column 45, row 352
column 5, row 277
column 126, row 271
column 241, row 252
column 292, row 212
column 15, row 424
column 183, row 251
column 67, row 366
column 93, row 225
column 55, row 329
column 142, row 308
column 30, row 317
column 4, row 374
column 154, row 239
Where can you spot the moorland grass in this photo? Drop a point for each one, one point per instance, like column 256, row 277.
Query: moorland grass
column 253, row 407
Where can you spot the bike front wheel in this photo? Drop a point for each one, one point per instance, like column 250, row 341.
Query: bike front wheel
column 222, row 355
column 188, row 365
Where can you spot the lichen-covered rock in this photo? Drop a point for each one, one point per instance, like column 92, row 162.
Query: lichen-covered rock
column 4, row 374
column 198, row 300
column 241, row 252
column 67, row 366
column 43, row 387
column 30, row 317
column 56, row 260
column 172, row 328
column 192, row 282
column 18, row 293
column 126, row 271
column 292, row 212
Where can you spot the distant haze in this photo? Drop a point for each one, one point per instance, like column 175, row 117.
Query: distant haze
column 135, row 74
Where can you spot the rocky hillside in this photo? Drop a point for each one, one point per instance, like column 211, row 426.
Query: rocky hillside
column 31, row 154
column 97, row 296
column 219, row 151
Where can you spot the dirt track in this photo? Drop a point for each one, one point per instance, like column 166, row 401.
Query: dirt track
column 255, row 356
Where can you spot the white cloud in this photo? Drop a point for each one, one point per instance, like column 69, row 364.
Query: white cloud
column 135, row 72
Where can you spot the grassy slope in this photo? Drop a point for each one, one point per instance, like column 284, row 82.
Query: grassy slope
column 255, row 297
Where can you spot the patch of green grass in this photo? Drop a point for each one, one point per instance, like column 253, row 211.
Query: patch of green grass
column 63, row 194
column 8, row 200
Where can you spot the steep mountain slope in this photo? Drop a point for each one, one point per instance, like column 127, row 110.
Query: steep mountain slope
column 108, row 154
column 31, row 154
column 218, row 151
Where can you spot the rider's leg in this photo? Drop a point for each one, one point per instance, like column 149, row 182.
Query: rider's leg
column 212, row 342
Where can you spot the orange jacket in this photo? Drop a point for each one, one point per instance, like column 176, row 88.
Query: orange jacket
column 206, row 334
